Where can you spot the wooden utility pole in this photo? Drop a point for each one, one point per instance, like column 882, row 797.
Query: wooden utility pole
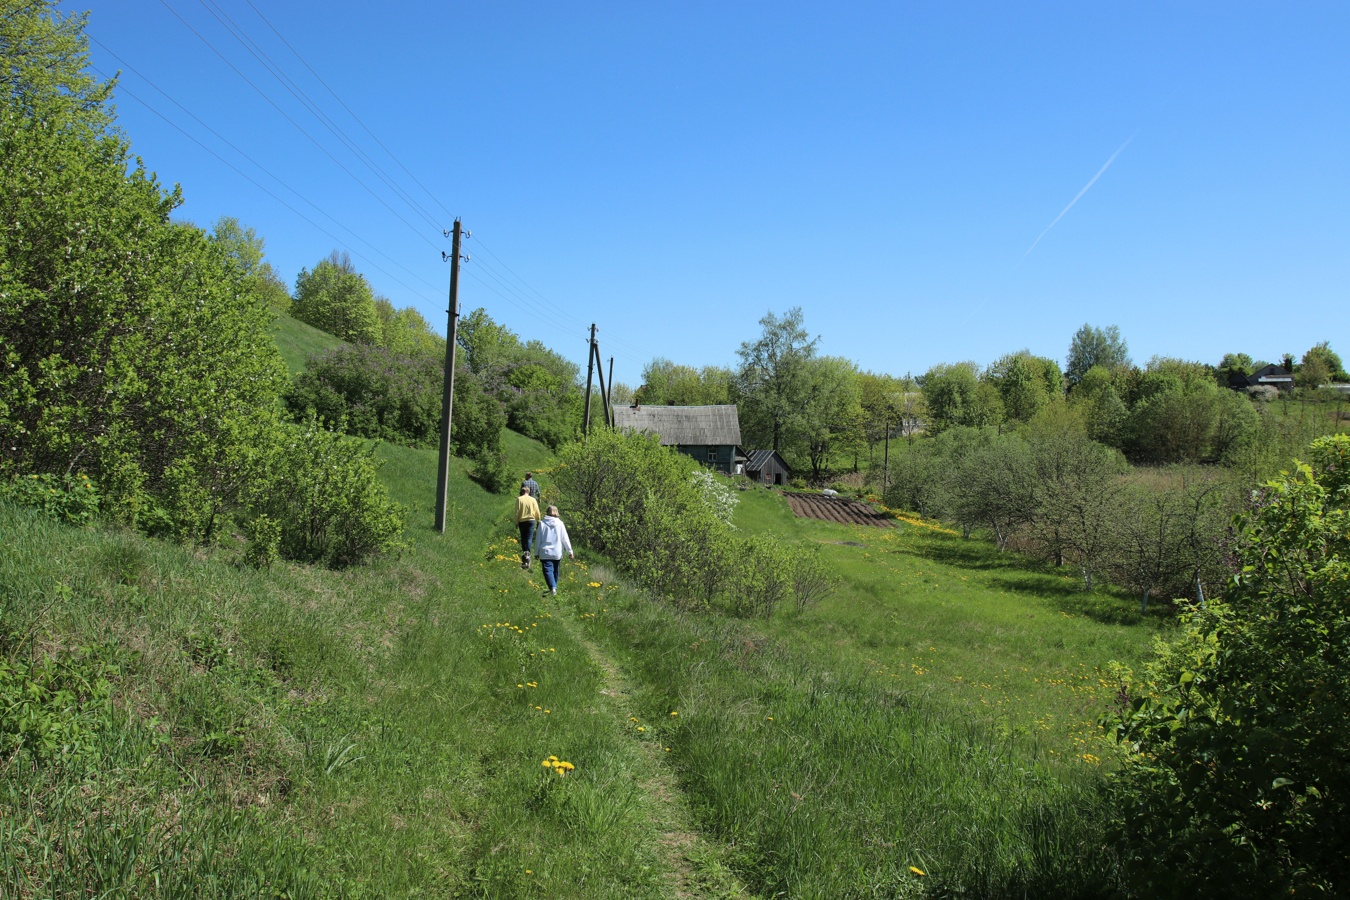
column 448, row 392
column 590, row 368
column 886, row 463
column 609, row 403
column 604, row 391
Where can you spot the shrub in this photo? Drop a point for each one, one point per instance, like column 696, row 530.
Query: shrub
column 721, row 500
column 1236, row 780
column 648, row 508
column 492, row 471
column 376, row 392
column 321, row 490
column 127, row 341
column 72, row 499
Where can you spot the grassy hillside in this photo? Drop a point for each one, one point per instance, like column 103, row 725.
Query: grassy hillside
column 296, row 340
column 381, row 732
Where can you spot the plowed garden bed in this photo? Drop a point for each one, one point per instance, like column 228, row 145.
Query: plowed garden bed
column 836, row 509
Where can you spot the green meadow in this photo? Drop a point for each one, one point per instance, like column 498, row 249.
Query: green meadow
column 401, row 729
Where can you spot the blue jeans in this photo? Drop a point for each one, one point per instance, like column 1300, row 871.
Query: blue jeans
column 551, row 568
column 526, row 534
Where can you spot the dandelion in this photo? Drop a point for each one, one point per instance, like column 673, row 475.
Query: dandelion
column 916, row 870
column 560, row 767
column 594, row 584
column 674, row 713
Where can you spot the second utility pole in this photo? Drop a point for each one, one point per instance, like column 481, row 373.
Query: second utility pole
column 448, row 391
column 590, row 370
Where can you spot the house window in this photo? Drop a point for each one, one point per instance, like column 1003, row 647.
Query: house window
column 712, row 454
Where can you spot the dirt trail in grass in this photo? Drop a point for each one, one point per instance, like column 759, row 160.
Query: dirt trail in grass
column 690, row 858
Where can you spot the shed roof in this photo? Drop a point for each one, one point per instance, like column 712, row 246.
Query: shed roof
column 758, row 459
column 683, row 424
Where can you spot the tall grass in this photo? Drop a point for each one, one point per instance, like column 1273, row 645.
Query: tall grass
column 833, row 764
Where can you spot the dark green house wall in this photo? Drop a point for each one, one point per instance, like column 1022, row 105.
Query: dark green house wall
column 721, row 457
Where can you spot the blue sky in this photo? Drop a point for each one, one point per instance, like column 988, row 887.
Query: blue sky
column 672, row 172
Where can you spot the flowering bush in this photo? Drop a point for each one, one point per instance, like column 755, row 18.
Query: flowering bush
column 721, row 499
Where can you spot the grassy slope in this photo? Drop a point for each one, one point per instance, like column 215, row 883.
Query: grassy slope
column 296, row 340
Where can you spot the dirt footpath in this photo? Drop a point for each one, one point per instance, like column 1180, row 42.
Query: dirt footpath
column 836, row 509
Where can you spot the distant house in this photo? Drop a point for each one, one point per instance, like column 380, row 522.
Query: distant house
column 1275, row 376
column 767, row 467
column 710, row 434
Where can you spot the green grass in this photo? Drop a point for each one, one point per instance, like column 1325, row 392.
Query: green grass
column 297, row 341
column 938, row 711
column 379, row 732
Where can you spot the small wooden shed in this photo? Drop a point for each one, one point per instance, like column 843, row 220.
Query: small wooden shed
column 767, row 467
column 710, row 434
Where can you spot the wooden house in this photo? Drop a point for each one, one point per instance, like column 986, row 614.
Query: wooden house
column 767, row 467
column 710, row 434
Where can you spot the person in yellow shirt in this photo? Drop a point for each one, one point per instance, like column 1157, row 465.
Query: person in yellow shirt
column 527, row 513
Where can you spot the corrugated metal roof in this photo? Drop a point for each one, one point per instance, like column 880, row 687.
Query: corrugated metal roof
column 683, row 424
column 759, row 459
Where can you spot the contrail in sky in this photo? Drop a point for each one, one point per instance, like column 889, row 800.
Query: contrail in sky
column 1077, row 198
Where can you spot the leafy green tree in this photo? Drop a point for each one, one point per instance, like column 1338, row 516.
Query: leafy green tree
column 404, row 331
column 1235, row 782
column 1199, row 422
column 1081, row 487
column 1330, row 357
column 665, row 382
column 337, row 299
column 1095, row 347
column 1025, row 383
column 1103, row 411
column 244, row 249
column 949, row 394
column 1235, row 364
column 832, row 413
column 45, row 58
column 536, row 387
column 1321, row 365
column 772, row 381
column 131, row 349
column 995, row 486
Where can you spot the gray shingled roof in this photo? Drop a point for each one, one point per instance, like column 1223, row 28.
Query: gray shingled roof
column 683, row 424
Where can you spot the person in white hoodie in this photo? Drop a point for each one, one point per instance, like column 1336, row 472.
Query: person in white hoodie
column 550, row 543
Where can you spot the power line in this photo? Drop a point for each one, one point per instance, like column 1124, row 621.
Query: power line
column 251, row 181
column 633, row 348
column 542, row 308
column 277, row 72
column 297, row 126
column 349, row 110
column 259, row 166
